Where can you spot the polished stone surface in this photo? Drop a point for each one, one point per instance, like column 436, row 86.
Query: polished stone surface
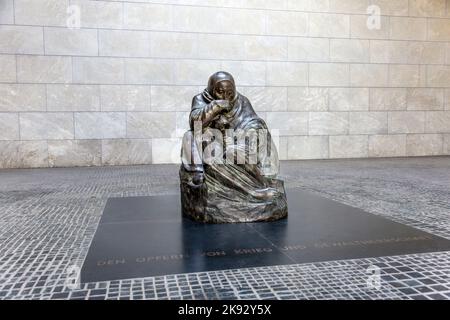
column 145, row 236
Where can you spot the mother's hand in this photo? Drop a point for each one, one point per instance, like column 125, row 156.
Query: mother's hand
column 224, row 105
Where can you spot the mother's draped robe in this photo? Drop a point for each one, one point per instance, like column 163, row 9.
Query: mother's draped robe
column 232, row 191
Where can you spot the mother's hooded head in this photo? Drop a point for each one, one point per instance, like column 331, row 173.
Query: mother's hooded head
column 221, row 86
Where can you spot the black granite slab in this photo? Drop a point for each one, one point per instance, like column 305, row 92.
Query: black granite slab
column 146, row 236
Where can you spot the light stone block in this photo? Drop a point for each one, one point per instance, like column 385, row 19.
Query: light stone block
column 437, row 122
column 94, row 70
column 287, row 23
column 21, row 39
column 392, row 8
column 383, row 51
column 73, row 153
column 349, row 50
column 22, row 97
column 41, row 13
column 348, row 99
column 439, row 29
column 23, row 154
column 245, row 21
column 173, row 45
column 329, row 25
column 368, row 75
column 427, row 8
column 125, row 98
column 120, row 43
column 438, row 76
column 287, row 74
column 198, row 19
column 169, row 98
column 100, row 14
column 148, row 71
column 147, row 16
column 447, row 99
column 387, row 51
column 32, row 154
column 425, row 99
column 126, row 151
column 6, row 12
column 383, row 99
column 267, row 98
column 328, row 123
column 151, row 124
column 220, row 46
column 446, row 144
column 424, row 145
column 166, row 150
column 46, row 126
column 348, row 6
column 9, row 154
column 7, row 68
column 328, row 74
column 9, row 124
column 115, row 152
column 426, row 53
column 140, row 151
column 182, row 124
column 404, row 75
column 422, row 75
column 309, row 49
column 308, row 99
column 194, row 72
column 387, row 145
column 265, row 48
column 73, row 97
column 100, row 125
column 406, row 122
column 406, row 28
column 44, row 69
column 307, row 147
column 368, row 123
column 447, row 55
column 288, row 123
column 77, row 42
column 246, row 73
column 355, row 146
column 309, row 5
column 272, row 5
column 361, row 28
column 281, row 145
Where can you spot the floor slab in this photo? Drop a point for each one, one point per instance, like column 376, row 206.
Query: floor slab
column 146, row 236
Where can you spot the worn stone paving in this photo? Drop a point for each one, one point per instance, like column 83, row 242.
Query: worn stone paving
column 48, row 218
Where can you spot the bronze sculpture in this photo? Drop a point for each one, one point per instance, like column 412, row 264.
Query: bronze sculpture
column 229, row 161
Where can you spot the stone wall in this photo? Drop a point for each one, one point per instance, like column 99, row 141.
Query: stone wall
column 115, row 86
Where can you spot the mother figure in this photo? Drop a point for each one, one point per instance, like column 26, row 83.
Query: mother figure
column 229, row 161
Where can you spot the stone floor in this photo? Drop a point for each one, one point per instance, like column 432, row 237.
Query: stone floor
column 48, row 218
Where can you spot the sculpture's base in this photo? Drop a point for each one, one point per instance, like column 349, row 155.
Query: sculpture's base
column 198, row 206
column 146, row 236
column 215, row 202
